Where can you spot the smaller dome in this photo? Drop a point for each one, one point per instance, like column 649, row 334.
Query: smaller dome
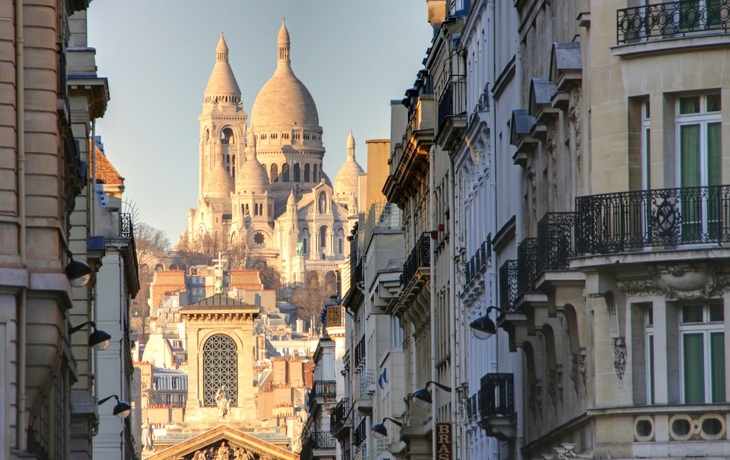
column 291, row 201
column 222, row 82
column 251, row 176
column 347, row 177
column 283, row 34
column 218, row 183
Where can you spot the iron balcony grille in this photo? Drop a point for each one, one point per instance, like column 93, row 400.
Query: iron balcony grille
column 479, row 260
column 323, row 389
column 614, row 222
column 481, row 106
column 420, row 257
column 125, row 225
column 472, row 407
column 360, row 353
column 323, row 440
column 672, row 20
column 360, row 433
column 335, row 316
column 555, row 241
column 526, row 266
column 508, row 285
column 340, row 415
column 453, row 98
column 496, row 395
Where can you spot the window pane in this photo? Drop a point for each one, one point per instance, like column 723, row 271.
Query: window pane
column 717, row 312
column 651, row 369
column 650, row 316
column 694, row 374
column 647, row 111
column 689, row 104
column 692, row 314
column 689, row 144
column 717, row 366
column 714, row 154
column 713, row 103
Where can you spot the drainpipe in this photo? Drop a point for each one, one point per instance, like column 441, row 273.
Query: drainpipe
column 432, row 286
column 92, row 188
column 452, row 299
column 20, row 143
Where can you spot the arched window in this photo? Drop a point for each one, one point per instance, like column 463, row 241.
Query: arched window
column 322, row 202
column 297, row 175
column 323, row 237
column 274, row 172
column 304, row 246
column 340, row 241
column 233, row 165
column 284, row 173
column 220, row 369
column 304, row 236
column 314, row 174
column 306, row 172
column 227, row 136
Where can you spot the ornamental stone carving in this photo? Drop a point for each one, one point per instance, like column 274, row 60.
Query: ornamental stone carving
column 619, row 360
column 691, row 280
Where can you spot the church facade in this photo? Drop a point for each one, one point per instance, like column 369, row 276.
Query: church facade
column 262, row 185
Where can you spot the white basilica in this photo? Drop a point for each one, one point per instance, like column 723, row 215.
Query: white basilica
column 263, row 185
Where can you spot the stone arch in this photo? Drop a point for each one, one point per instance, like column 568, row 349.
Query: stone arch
column 306, row 172
column 330, row 281
column 227, row 136
column 305, row 238
column 322, row 239
column 322, row 202
column 340, row 241
column 274, row 174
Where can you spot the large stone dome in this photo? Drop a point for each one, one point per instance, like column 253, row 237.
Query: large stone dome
column 284, row 101
column 347, row 177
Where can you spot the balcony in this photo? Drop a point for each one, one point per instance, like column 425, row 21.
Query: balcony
column 335, row 316
column 662, row 219
column 679, row 19
column 383, row 217
column 360, row 434
column 497, row 406
column 317, row 444
column 323, row 392
column 359, row 355
column 472, row 407
column 526, row 266
column 418, row 260
column 555, row 241
column 478, row 262
column 451, row 114
column 340, row 420
column 508, row 285
column 363, row 392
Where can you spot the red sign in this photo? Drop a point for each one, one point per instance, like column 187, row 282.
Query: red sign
column 444, row 441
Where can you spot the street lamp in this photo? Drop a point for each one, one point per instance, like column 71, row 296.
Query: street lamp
column 483, row 327
column 422, row 397
column 77, row 272
column 380, row 431
column 98, row 339
column 122, row 409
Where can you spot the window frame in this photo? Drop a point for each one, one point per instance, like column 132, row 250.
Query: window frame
column 706, row 329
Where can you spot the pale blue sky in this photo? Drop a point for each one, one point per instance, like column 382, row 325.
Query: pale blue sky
column 354, row 56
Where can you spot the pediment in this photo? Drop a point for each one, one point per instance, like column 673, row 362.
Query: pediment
column 224, row 443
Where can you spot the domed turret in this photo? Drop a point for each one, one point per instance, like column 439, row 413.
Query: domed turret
column 347, row 176
column 222, row 86
column 251, row 176
column 218, row 183
column 284, row 101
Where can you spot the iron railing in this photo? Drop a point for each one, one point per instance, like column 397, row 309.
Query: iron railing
column 526, row 265
column 452, row 100
column 508, row 285
column 335, row 316
column 340, row 416
column 482, row 105
column 323, row 389
column 671, row 20
column 472, row 407
column 496, row 395
column 555, row 241
column 359, row 355
column 360, row 433
column 126, row 229
column 478, row 261
column 614, row 222
column 312, row 440
column 420, row 257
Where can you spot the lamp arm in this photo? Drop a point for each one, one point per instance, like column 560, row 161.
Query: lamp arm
column 394, row 421
column 102, row 401
column 443, row 387
column 493, row 308
column 80, row 326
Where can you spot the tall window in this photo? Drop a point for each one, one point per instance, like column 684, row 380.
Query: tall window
column 220, row 368
column 297, row 174
column 649, row 328
column 645, row 146
column 274, row 172
column 323, row 237
column 284, row 173
column 703, row 353
column 306, row 172
column 314, row 173
column 699, row 146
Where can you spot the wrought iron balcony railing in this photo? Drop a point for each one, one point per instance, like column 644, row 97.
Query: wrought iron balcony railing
column 323, row 389
column 671, row 217
column 526, row 265
column 359, row 355
column 360, row 433
column 555, row 241
column 508, row 285
column 672, row 20
column 479, row 260
column 496, row 395
column 340, row 416
column 356, row 267
column 319, row 440
column 335, row 316
column 452, row 100
column 472, row 407
column 420, row 257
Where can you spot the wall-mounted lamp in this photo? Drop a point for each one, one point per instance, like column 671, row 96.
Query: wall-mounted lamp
column 380, row 431
column 77, row 272
column 483, row 327
column 121, row 410
column 422, row 397
column 98, row 339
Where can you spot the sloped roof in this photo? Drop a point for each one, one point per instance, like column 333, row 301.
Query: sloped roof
column 106, row 173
